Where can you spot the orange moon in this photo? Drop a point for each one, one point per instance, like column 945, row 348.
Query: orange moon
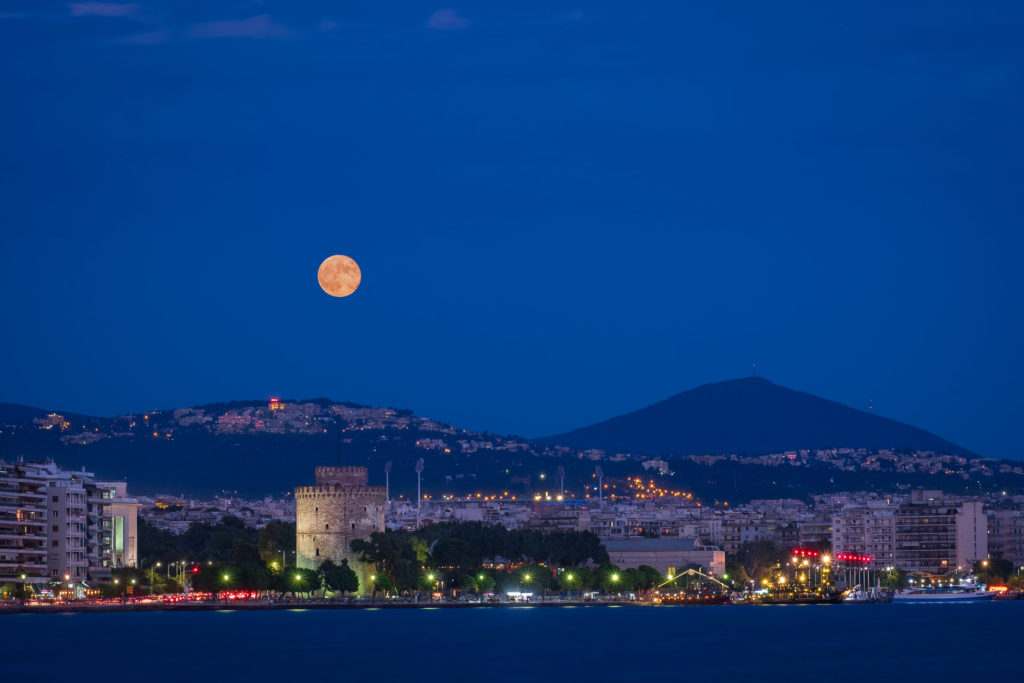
column 339, row 275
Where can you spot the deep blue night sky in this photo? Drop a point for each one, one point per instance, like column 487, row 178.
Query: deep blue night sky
column 562, row 211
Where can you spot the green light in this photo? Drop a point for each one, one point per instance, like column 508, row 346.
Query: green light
column 615, row 577
column 298, row 577
column 227, row 577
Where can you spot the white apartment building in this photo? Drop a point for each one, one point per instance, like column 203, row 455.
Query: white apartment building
column 23, row 525
column 63, row 529
column 867, row 530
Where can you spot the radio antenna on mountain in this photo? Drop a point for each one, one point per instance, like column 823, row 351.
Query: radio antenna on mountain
column 754, row 370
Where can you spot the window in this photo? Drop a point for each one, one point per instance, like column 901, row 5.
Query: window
column 55, row 499
column 53, row 544
column 318, row 552
column 326, row 527
column 56, row 528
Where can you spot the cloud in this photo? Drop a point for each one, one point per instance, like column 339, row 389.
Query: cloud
column 259, row 26
column 447, row 20
column 148, row 38
column 102, row 9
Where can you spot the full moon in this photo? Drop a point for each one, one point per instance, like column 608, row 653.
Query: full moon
column 339, row 275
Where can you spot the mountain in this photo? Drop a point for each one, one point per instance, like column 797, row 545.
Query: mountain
column 14, row 412
column 255, row 448
column 750, row 415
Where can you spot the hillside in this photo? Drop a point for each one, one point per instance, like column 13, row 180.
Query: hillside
column 750, row 415
column 255, row 448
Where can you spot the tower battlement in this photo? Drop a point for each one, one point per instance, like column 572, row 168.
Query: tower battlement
column 343, row 476
column 338, row 491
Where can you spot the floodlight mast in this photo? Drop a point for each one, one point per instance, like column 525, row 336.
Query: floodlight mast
column 419, row 490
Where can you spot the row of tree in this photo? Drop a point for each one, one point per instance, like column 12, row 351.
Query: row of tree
column 454, row 554
column 228, row 541
column 219, row 577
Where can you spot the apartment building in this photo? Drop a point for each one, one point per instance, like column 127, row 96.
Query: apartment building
column 867, row 530
column 61, row 529
column 937, row 536
column 1006, row 536
column 23, row 525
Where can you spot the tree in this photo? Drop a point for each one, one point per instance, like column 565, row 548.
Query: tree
column 895, row 579
column 398, row 555
column 339, row 578
column 275, row 538
column 736, row 571
column 758, row 559
column 304, row 581
column 611, row 579
column 995, row 571
column 649, row 579
column 574, row 578
column 535, row 577
column 456, row 553
column 244, row 553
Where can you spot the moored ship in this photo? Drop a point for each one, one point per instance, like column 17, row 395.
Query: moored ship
column 966, row 590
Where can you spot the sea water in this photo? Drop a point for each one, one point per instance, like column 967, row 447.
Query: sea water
column 872, row 642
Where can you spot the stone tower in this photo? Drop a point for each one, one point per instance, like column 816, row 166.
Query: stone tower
column 341, row 507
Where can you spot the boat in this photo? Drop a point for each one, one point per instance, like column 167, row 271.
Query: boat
column 830, row 598
column 964, row 591
column 1008, row 595
column 695, row 599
